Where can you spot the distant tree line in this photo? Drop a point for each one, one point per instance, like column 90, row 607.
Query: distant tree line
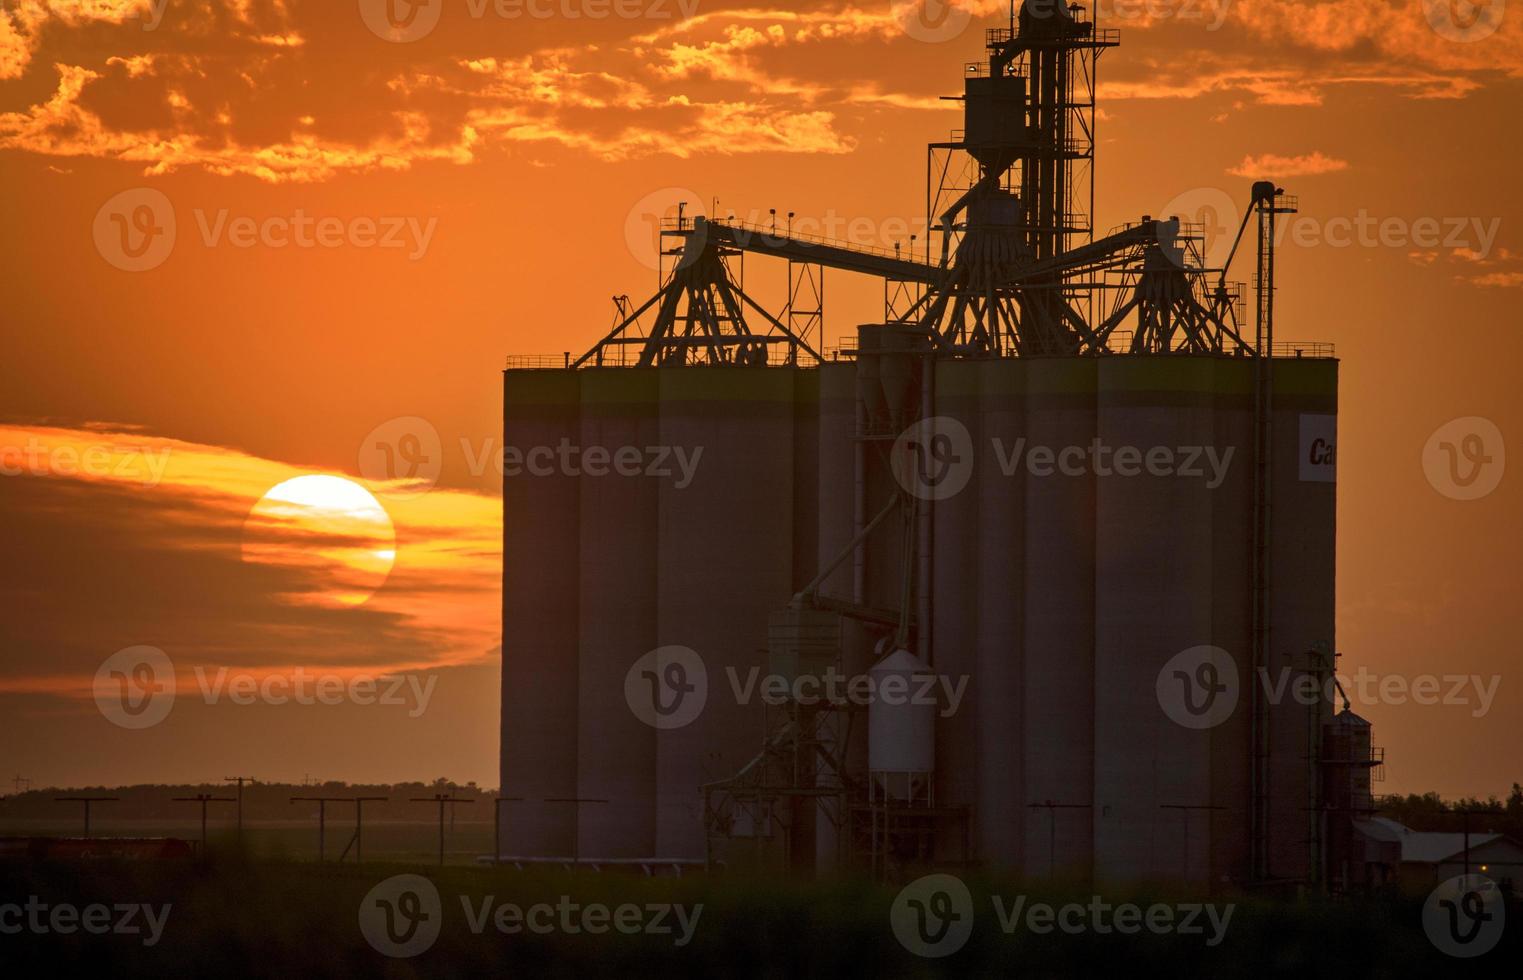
column 261, row 802
column 1430, row 812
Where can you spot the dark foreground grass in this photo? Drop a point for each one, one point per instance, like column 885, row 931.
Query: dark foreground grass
column 302, row 920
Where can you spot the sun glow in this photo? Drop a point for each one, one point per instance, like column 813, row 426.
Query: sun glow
column 328, row 530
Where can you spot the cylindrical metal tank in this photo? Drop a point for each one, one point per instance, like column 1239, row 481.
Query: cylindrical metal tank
column 724, row 559
column 1153, row 587
column 901, row 727
column 617, row 561
column 1058, row 689
column 540, row 611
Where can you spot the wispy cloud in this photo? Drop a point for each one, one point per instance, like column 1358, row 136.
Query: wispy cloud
column 1275, row 166
column 167, row 523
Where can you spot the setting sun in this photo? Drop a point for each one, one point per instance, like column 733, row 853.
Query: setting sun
column 331, row 530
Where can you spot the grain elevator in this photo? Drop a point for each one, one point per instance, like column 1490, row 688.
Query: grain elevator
column 1018, row 578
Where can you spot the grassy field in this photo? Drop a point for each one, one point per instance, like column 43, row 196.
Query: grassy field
column 289, row 840
column 281, row 917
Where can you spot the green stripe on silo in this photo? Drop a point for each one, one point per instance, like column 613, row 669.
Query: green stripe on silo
column 1234, row 376
column 620, row 392
column 1061, row 375
column 727, row 384
column 958, row 379
column 1160, row 373
column 1306, row 376
column 806, row 386
column 534, row 388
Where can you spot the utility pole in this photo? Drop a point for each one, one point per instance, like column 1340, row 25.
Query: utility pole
column 443, row 801
column 322, row 820
column 240, row 780
column 86, row 800
column 357, row 841
column 203, row 799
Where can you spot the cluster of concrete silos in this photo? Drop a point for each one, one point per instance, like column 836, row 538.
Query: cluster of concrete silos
column 1059, row 596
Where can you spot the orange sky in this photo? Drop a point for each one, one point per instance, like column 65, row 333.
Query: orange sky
column 364, row 228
